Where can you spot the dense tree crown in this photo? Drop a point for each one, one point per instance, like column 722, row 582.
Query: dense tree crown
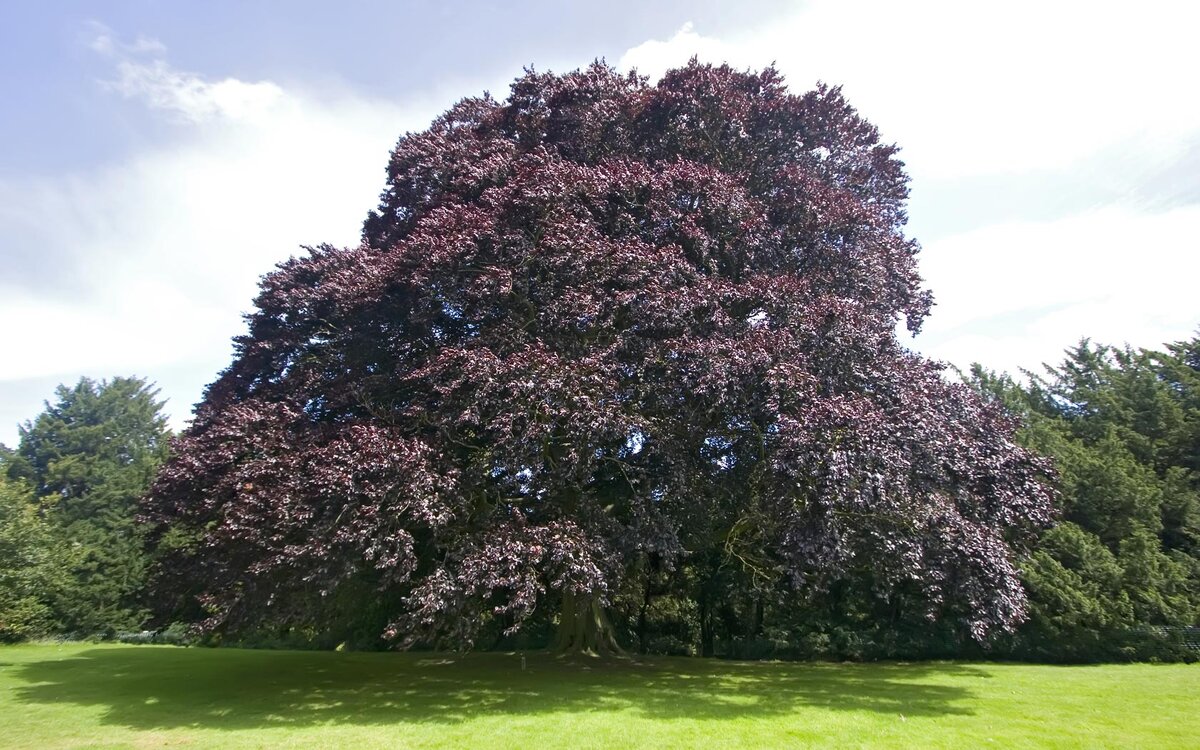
column 86, row 461
column 601, row 341
column 1123, row 427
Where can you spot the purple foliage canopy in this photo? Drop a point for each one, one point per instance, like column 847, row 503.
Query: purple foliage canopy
column 597, row 321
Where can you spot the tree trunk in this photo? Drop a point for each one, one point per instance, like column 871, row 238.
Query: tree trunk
column 641, row 623
column 707, row 645
column 584, row 627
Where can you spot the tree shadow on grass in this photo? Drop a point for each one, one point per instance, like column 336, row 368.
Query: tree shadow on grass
column 163, row 687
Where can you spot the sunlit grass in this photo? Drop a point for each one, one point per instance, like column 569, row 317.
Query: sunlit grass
column 145, row 696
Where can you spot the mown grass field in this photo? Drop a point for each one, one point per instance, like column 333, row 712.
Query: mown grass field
column 91, row 696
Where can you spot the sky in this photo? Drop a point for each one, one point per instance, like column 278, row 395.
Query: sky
column 157, row 158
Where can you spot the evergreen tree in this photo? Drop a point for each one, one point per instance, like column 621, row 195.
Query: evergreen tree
column 1121, row 426
column 32, row 564
column 89, row 457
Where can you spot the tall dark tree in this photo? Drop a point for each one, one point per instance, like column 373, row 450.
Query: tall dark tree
column 1121, row 426
column 598, row 329
column 89, row 457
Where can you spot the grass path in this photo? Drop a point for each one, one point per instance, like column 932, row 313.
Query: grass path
column 87, row 696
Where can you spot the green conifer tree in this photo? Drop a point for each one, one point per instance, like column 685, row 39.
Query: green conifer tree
column 89, row 457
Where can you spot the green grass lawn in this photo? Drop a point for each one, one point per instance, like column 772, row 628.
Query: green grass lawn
column 148, row 696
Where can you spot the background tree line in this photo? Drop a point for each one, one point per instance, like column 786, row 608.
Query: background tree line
column 1123, row 428
column 1116, row 577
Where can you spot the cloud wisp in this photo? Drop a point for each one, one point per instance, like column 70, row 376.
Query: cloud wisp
column 146, row 265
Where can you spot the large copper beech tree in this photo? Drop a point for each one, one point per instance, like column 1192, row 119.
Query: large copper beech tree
column 597, row 322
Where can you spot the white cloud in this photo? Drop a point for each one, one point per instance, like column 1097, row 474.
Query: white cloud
column 143, row 73
column 655, row 57
column 158, row 255
column 105, row 42
column 1015, row 295
column 197, row 100
column 973, row 88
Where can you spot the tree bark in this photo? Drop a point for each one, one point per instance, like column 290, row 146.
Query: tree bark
column 707, row 644
column 641, row 623
column 584, row 627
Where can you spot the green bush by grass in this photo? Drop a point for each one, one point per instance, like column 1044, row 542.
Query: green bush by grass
column 149, row 696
